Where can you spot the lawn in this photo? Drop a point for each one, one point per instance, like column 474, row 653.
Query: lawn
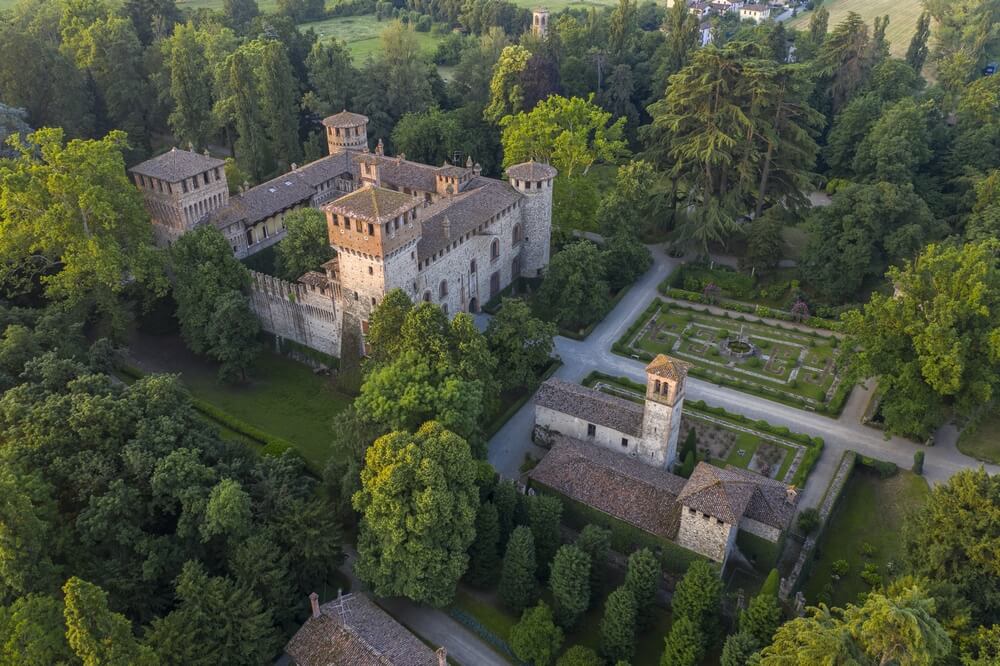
column 983, row 441
column 790, row 363
column 903, row 16
column 361, row 33
column 870, row 511
column 283, row 398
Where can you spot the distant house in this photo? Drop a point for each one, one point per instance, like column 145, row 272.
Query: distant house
column 352, row 631
column 758, row 13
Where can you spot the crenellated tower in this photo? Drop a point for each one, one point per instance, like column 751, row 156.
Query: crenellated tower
column 534, row 180
column 346, row 131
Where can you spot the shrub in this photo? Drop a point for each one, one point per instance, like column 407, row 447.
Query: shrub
column 840, row 568
column 867, row 550
column 918, row 462
column 808, row 520
column 871, row 575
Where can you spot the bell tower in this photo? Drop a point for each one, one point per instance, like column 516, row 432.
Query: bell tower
column 661, row 417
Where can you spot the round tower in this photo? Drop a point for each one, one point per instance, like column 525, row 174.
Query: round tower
column 346, row 131
column 534, row 180
column 540, row 22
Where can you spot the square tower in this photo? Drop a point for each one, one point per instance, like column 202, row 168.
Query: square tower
column 661, row 418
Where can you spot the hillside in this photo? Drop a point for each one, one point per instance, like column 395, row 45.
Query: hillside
column 903, row 16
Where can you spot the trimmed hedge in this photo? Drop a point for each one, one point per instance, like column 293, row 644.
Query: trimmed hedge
column 748, row 308
column 625, row 538
column 621, row 346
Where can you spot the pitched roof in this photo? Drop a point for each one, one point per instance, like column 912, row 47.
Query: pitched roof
column 345, row 119
column 401, row 172
column 531, row 171
column 479, row 200
column 619, row 485
column 668, row 368
column 325, row 169
column 261, row 202
column 731, row 493
column 591, row 405
column 175, row 165
column 451, row 170
column 353, row 631
column 375, row 204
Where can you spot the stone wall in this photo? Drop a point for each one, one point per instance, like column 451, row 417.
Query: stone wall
column 294, row 311
column 537, row 207
column 660, row 428
column 772, row 534
column 575, row 427
column 705, row 535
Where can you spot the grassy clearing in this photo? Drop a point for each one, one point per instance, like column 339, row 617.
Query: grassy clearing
column 983, row 442
column 870, row 511
column 903, row 15
column 361, row 34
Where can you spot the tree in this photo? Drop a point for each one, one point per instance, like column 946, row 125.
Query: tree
column 535, row 638
column 916, row 53
column 506, row 89
column 684, row 645
column 630, row 206
column 738, row 649
column 70, row 217
column 820, row 635
column 596, row 542
column 625, row 259
column 574, row 290
column 386, row 323
column 765, row 244
column 697, row 597
column 253, row 150
column 331, row 76
column 544, row 513
column 33, row 632
column 681, row 28
column 484, row 555
column 13, row 121
column 418, row 502
column 239, row 14
column 98, row 636
column 984, row 222
column 227, row 511
column 578, row 655
column 232, row 336
column 521, row 343
column 618, row 626
column 571, row 134
column 429, row 136
column 277, row 95
column 949, row 538
column 190, row 87
column 505, row 496
column 846, row 59
column 761, row 618
column 517, row 576
column 897, row 145
column 642, row 579
column 933, row 344
column 570, row 584
column 771, row 584
column 306, row 246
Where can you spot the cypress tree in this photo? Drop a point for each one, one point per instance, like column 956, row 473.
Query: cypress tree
column 697, row 597
column 684, row 645
column 505, row 499
column 484, row 554
column 643, row 580
column 596, row 542
column 618, row 626
column 738, row 649
column 761, row 618
column 570, row 584
column 517, row 577
column 536, row 639
column 771, row 583
column 544, row 513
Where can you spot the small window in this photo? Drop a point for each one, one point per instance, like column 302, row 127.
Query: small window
column 624, row 442
column 355, row 295
column 657, row 385
column 495, row 249
column 690, row 509
column 472, row 266
column 443, row 289
column 371, row 229
column 371, row 271
column 373, row 301
column 427, row 297
column 706, row 517
column 591, row 430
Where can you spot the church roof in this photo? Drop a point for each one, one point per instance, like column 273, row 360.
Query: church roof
column 371, row 203
column 531, row 171
column 730, row 494
column 175, row 165
column 619, row 485
column 668, row 368
column 591, row 405
column 345, row 119
column 353, row 631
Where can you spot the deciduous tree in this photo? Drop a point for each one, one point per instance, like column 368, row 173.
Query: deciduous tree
column 306, row 245
column 574, row 290
column 97, row 635
column 520, row 342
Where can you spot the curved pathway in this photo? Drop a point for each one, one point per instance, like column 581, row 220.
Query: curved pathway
column 509, row 446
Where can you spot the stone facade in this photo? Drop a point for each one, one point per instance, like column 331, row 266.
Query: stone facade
column 705, row 534
column 304, row 312
column 540, row 22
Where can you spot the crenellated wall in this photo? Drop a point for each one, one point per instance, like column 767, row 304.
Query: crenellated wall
column 305, row 314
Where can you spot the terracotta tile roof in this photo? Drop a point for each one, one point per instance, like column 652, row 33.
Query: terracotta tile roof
column 375, row 204
column 531, row 171
column 345, row 119
column 618, row 485
column 591, row 405
column 400, row 172
column 353, row 631
column 669, row 368
column 261, row 202
column 732, row 493
column 325, row 169
column 479, row 200
column 176, row 165
column 314, row 279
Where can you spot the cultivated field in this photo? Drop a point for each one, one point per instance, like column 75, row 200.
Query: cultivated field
column 903, row 16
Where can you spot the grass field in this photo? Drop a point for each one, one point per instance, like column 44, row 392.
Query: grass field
column 903, row 16
column 361, row 33
column 983, row 442
column 869, row 512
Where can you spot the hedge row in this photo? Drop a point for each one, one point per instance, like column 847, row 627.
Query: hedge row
column 625, row 538
column 749, row 308
column 316, row 355
column 621, row 346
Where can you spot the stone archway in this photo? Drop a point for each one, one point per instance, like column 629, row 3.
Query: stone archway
column 474, row 305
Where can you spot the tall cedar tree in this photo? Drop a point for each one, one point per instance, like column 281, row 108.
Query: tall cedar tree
column 544, row 513
column 697, row 597
column 570, row 584
column 517, row 576
column 484, row 553
column 642, row 579
column 596, row 542
column 536, row 639
column 618, row 626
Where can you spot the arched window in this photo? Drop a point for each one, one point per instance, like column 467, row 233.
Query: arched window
column 516, row 236
column 443, row 289
column 472, row 266
column 427, row 296
column 495, row 249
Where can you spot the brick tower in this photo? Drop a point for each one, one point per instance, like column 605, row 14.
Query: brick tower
column 661, row 419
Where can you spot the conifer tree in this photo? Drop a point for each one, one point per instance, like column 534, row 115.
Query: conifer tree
column 643, row 580
column 544, row 513
column 697, row 597
column 536, row 638
column 517, row 576
column 738, row 648
column 484, row 554
column 916, row 53
column 596, row 542
column 618, row 626
column 570, row 584
column 505, row 499
column 761, row 618
column 684, row 645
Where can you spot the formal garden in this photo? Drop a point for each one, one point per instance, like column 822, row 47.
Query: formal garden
column 797, row 366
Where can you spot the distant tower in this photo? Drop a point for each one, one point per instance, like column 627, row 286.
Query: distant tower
column 346, row 131
column 534, row 180
column 540, row 22
column 661, row 418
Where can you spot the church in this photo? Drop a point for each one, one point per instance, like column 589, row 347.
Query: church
column 617, row 456
column 445, row 234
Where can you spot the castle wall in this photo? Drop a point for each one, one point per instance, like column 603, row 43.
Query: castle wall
column 772, row 534
column 305, row 314
column 575, row 427
column 705, row 535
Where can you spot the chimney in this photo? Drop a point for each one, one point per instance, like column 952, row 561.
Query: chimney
column 294, row 166
column 468, row 162
column 477, row 168
column 314, row 602
column 206, row 153
column 791, row 494
column 446, row 226
column 442, row 656
column 380, row 148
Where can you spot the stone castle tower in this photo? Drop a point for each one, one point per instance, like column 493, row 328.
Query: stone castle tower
column 346, row 131
column 661, row 419
column 534, row 180
column 540, row 22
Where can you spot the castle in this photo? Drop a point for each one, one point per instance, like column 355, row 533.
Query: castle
column 447, row 234
column 616, row 456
